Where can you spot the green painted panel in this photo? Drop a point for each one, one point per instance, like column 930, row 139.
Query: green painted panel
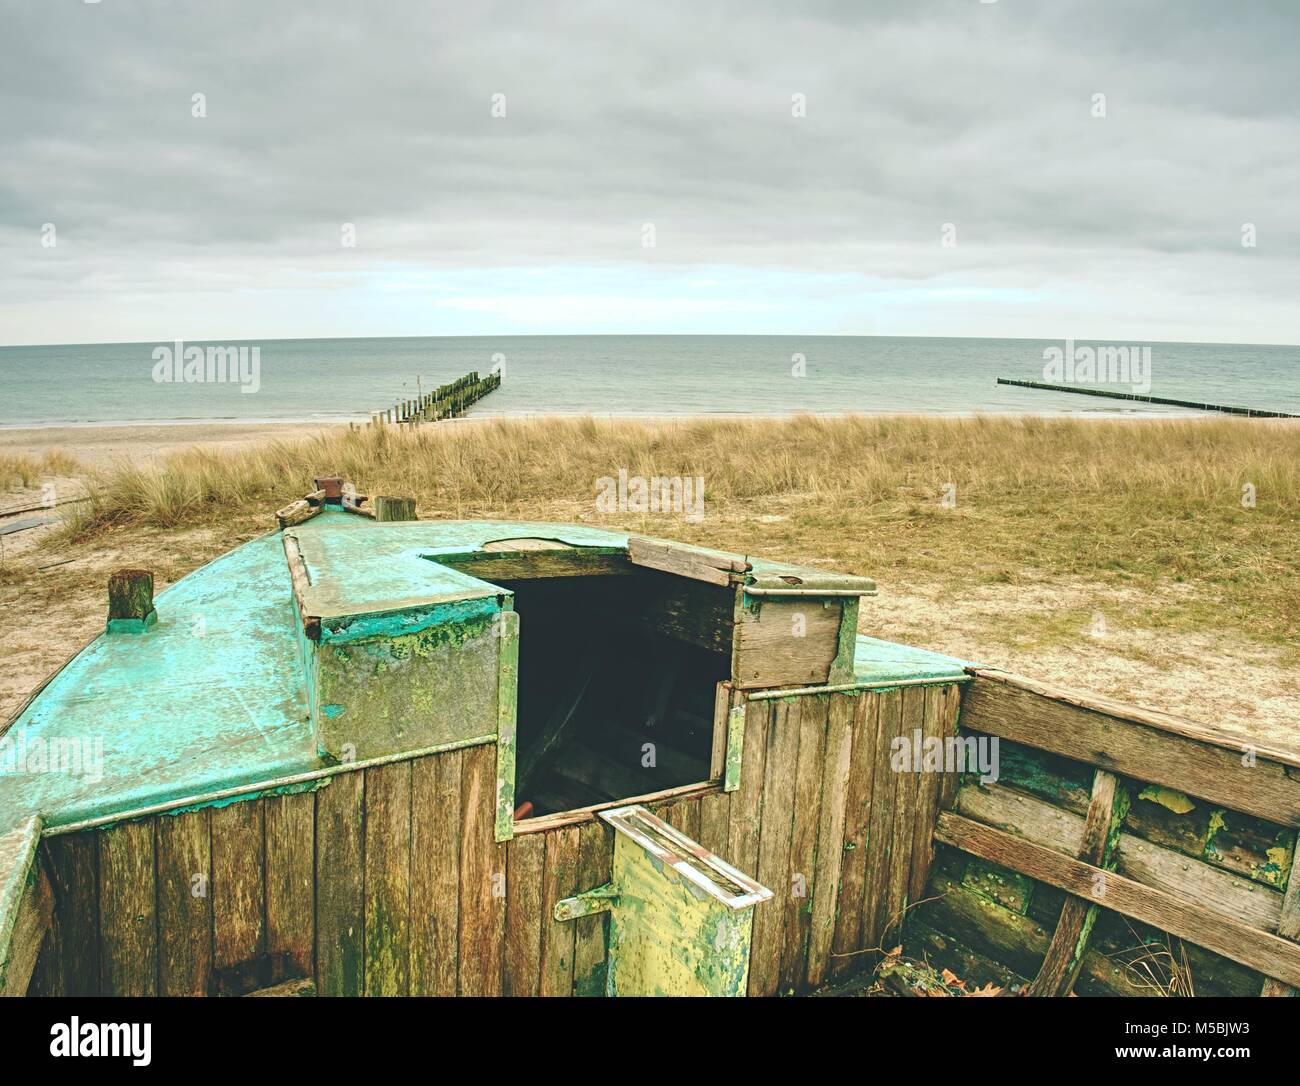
column 507, row 631
column 390, row 693
column 735, row 747
column 682, row 918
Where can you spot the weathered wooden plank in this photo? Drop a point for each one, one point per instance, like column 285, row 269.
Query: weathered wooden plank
column 836, row 767
column 715, row 818
column 857, row 827
column 1153, row 865
column 880, row 833
column 290, row 888
column 1288, row 928
column 1165, row 722
column 294, row 988
column 128, row 911
column 810, row 715
column 340, row 899
column 238, row 898
column 1232, row 840
column 1008, row 938
column 69, row 965
column 745, row 830
column 184, row 904
column 1269, row 954
column 682, row 814
column 1149, row 749
column 31, row 926
column 482, row 876
column 435, row 873
column 591, row 933
column 579, row 815
column 559, row 880
column 388, row 879
column 1100, row 835
column 779, row 777
column 903, row 819
column 722, row 701
column 949, row 713
column 510, row 566
column 525, row 859
column 683, row 561
column 930, row 789
column 785, row 643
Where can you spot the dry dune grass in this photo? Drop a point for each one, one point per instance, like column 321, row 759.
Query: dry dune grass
column 20, row 471
column 1058, row 526
column 1144, row 505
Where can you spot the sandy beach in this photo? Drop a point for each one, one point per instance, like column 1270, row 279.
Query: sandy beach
column 100, row 445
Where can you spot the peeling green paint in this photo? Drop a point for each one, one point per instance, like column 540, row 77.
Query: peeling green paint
column 435, row 684
column 735, row 748
column 842, row 667
column 668, row 935
column 131, row 625
column 1276, row 870
column 507, row 633
column 1218, row 823
column 1167, row 798
column 18, row 864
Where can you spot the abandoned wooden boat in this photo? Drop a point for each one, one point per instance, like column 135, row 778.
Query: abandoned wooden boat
column 368, row 755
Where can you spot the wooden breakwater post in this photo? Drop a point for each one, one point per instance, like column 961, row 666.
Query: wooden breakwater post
column 388, row 508
column 1251, row 412
column 447, row 401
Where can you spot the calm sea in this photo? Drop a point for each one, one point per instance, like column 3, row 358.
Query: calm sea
column 335, row 379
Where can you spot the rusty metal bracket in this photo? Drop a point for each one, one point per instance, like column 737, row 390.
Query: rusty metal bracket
column 600, row 899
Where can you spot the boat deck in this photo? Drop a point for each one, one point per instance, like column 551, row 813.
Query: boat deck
column 213, row 698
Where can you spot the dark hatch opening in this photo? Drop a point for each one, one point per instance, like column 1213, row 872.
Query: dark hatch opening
column 617, row 681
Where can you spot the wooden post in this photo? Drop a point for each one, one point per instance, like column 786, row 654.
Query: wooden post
column 1106, row 813
column 1288, row 928
column 130, row 601
column 332, row 486
column 391, row 509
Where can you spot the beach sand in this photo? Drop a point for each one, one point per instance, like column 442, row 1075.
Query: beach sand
column 99, row 445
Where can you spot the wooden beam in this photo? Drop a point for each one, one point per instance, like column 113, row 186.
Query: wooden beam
column 497, row 566
column 1288, row 927
column 543, row 823
column 1269, row 954
column 1167, row 722
column 719, row 569
column 1135, row 743
column 1139, row 859
column 542, row 749
column 1064, row 956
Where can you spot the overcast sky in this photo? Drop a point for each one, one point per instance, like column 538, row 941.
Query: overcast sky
column 1126, row 226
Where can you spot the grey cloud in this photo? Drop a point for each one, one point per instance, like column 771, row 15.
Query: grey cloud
column 678, row 113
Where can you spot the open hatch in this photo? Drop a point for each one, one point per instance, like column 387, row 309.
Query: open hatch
column 619, row 666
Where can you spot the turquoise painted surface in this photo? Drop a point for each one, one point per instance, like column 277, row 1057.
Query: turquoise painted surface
column 359, row 567
column 214, row 696
column 211, row 697
column 17, row 853
column 884, row 661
